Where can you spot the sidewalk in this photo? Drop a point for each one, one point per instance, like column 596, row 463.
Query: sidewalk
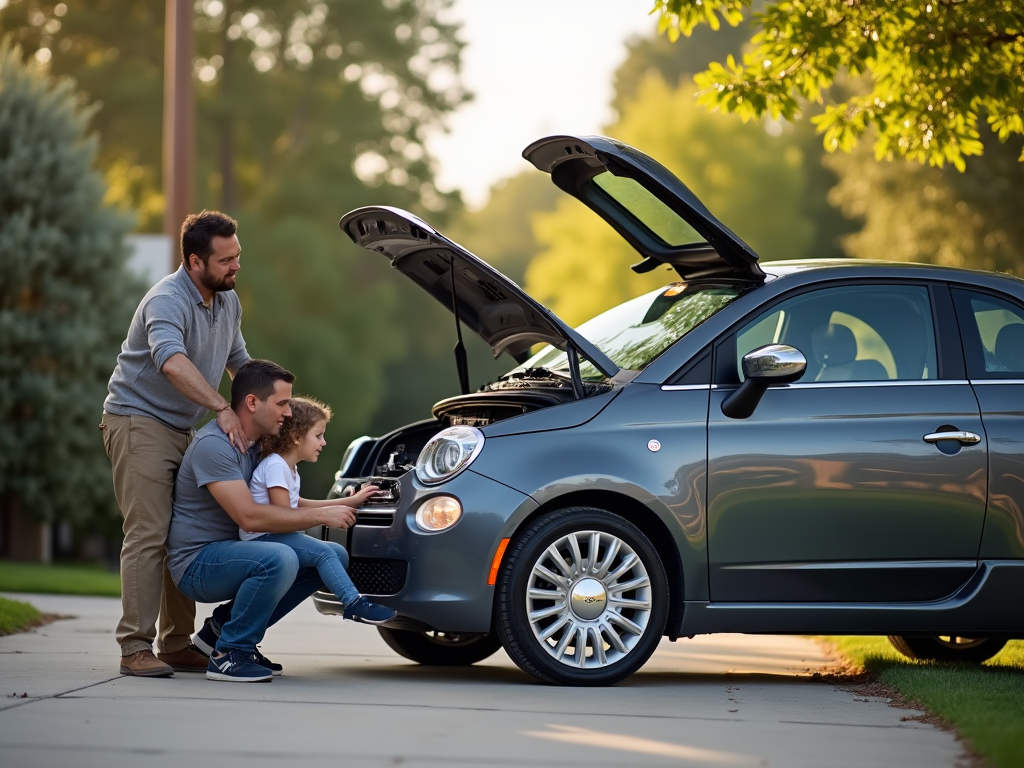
column 345, row 699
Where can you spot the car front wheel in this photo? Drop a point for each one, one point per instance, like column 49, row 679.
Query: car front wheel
column 582, row 598
column 968, row 650
column 440, row 649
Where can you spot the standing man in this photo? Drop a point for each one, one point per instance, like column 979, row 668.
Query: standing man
column 186, row 332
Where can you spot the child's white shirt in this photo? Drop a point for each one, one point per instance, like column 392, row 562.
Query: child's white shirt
column 272, row 472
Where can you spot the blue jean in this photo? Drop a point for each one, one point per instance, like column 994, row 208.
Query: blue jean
column 263, row 578
column 329, row 559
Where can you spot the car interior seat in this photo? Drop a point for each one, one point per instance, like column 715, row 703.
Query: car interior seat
column 1010, row 347
column 835, row 346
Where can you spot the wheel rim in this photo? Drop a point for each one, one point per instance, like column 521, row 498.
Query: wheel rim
column 589, row 599
column 959, row 643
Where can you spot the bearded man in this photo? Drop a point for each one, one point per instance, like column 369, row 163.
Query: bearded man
column 185, row 333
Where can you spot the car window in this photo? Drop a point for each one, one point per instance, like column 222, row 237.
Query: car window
column 995, row 340
column 852, row 333
column 669, row 226
column 634, row 333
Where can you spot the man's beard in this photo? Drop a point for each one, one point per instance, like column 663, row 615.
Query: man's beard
column 213, row 284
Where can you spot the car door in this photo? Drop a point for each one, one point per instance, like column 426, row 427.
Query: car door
column 992, row 328
column 842, row 487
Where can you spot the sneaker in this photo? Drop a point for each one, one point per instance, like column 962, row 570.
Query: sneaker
column 189, row 659
column 206, row 638
column 144, row 664
column 263, row 661
column 237, row 666
column 362, row 610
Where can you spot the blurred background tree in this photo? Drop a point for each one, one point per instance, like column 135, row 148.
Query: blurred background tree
column 65, row 301
column 301, row 106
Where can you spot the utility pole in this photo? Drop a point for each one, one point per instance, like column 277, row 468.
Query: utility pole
column 179, row 121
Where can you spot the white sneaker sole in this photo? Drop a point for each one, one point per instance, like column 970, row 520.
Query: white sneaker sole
column 235, row 679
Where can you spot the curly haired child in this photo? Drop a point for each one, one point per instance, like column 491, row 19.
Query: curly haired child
column 276, row 481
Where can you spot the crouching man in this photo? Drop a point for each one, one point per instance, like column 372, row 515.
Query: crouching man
column 211, row 502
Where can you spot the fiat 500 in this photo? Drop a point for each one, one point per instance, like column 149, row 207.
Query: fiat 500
column 819, row 447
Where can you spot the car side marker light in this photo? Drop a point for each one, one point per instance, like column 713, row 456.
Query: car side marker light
column 492, row 577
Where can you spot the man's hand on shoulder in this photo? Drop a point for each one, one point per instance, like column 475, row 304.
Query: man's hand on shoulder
column 229, row 424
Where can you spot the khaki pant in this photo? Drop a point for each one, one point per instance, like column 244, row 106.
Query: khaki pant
column 145, row 456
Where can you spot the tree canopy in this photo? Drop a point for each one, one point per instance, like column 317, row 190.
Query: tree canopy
column 928, row 71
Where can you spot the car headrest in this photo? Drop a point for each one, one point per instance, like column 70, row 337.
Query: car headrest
column 834, row 344
column 1010, row 346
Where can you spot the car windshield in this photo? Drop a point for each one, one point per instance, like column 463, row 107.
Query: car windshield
column 635, row 333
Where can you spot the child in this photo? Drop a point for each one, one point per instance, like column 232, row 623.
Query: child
column 276, row 481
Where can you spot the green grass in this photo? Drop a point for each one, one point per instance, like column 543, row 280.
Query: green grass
column 15, row 615
column 985, row 704
column 58, row 579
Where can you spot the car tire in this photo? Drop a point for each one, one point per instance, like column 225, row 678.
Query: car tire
column 610, row 612
column 440, row 649
column 948, row 648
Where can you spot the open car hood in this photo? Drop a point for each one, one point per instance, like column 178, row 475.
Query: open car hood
column 653, row 210
column 486, row 301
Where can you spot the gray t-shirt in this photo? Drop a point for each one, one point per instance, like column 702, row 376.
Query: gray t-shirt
column 196, row 518
column 171, row 318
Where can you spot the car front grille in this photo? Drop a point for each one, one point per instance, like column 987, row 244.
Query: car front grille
column 374, row 576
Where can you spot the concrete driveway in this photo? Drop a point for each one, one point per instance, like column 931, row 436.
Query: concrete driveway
column 346, row 699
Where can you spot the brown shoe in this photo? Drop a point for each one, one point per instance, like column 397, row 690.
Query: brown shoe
column 144, row 664
column 189, row 659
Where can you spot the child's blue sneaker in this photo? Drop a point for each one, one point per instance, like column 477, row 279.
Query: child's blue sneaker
column 364, row 611
column 237, row 666
column 263, row 661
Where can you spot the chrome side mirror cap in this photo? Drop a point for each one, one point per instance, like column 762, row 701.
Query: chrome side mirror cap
column 763, row 367
column 774, row 364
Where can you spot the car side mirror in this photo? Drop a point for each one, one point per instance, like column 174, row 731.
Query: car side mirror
column 762, row 368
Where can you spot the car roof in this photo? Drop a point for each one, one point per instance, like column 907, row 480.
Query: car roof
column 879, row 267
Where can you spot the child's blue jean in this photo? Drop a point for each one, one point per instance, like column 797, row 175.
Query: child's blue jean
column 329, row 559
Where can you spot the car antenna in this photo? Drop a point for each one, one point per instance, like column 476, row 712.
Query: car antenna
column 460, row 349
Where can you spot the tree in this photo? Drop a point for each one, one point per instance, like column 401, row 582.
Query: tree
column 584, row 268
column 65, row 299
column 935, row 215
column 305, row 110
column 932, row 69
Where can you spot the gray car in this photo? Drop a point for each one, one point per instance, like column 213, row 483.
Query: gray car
column 815, row 447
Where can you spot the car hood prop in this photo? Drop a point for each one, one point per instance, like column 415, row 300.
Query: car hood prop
column 481, row 298
column 645, row 203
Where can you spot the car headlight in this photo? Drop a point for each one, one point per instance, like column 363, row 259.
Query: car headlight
column 447, row 453
column 438, row 513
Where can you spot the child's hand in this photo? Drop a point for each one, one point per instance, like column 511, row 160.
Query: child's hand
column 358, row 499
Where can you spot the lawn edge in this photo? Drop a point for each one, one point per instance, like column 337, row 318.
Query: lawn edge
column 854, row 679
column 34, row 624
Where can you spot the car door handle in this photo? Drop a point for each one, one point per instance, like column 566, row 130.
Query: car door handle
column 967, row 438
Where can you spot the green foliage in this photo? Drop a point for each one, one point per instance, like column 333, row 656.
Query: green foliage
column 305, row 110
column 985, row 704
column 938, row 216
column 15, row 615
column 584, row 267
column 65, row 299
column 291, row 94
column 34, row 578
column 934, row 69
